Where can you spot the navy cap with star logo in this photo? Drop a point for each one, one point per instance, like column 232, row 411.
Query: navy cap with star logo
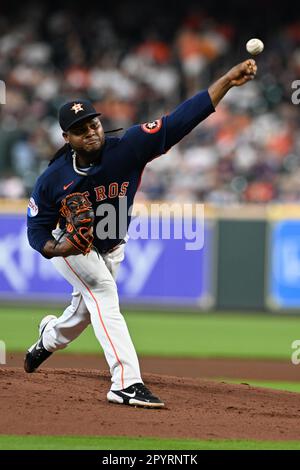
column 75, row 111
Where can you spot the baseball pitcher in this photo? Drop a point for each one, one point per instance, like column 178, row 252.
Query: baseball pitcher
column 64, row 212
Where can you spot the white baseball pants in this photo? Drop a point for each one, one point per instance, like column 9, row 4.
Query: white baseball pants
column 95, row 300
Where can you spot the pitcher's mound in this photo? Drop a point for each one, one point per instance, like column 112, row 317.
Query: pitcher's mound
column 73, row 402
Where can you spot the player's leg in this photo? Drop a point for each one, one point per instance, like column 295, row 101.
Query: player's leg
column 90, row 275
column 136, row 394
column 56, row 333
column 61, row 331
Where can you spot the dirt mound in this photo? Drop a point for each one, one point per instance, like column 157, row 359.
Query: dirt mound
column 73, row 402
column 267, row 369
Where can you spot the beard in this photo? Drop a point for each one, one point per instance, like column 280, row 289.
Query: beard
column 90, row 152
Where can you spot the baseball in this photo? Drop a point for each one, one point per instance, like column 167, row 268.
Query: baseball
column 255, row 46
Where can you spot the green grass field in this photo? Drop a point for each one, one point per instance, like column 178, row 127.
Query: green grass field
column 276, row 385
column 165, row 334
column 129, row 443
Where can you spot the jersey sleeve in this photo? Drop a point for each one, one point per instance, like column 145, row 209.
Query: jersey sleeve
column 151, row 139
column 42, row 217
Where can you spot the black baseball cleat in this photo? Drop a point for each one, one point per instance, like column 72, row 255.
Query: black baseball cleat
column 135, row 395
column 37, row 354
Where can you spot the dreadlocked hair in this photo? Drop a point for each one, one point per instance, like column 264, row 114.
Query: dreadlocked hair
column 59, row 153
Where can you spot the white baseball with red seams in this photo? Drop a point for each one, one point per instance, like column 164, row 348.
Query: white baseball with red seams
column 95, row 300
column 255, row 46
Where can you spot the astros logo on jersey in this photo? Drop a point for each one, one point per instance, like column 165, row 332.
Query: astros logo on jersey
column 152, row 127
column 77, row 107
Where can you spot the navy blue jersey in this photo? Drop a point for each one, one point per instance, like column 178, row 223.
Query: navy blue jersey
column 115, row 176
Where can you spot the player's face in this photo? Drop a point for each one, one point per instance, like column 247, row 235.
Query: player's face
column 86, row 137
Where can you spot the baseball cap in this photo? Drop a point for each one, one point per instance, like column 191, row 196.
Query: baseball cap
column 75, row 111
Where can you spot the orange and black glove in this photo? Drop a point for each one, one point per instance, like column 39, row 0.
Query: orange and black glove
column 80, row 219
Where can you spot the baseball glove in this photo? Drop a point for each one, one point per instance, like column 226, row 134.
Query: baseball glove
column 80, row 218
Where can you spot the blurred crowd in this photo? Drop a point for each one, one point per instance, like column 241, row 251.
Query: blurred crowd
column 248, row 151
